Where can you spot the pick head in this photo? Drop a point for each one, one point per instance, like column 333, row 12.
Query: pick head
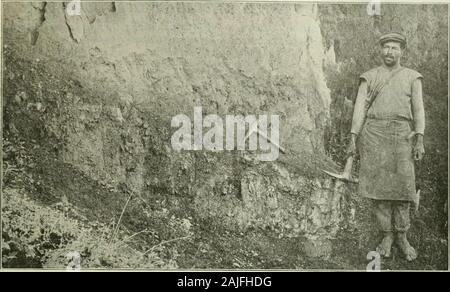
column 341, row 177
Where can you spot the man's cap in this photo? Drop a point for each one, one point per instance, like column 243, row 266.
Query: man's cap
column 393, row 37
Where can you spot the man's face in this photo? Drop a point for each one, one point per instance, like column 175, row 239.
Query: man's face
column 391, row 53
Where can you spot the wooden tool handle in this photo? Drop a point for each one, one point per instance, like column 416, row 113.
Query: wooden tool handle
column 348, row 167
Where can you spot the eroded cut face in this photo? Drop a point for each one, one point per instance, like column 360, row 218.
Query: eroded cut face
column 391, row 53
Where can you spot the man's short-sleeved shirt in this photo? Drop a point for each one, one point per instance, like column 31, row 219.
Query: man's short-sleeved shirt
column 394, row 101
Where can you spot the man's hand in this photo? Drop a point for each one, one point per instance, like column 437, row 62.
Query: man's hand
column 351, row 148
column 419, row 149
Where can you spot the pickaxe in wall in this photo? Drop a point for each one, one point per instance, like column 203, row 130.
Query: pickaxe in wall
column 254, row 129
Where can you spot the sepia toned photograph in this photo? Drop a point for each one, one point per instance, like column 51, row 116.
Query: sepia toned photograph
column 224, row 135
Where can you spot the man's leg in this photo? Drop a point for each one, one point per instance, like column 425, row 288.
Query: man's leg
column 402, row 224
column 383, row 212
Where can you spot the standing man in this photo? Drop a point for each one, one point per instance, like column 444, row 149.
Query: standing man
column 389, row 123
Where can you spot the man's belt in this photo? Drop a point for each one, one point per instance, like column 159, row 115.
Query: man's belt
column 388, row 117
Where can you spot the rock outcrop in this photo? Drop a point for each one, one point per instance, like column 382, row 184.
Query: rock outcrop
column 137, row 65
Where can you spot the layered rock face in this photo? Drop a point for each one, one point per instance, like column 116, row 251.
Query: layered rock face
column 139, row 64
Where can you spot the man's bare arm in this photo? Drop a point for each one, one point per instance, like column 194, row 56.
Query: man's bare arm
column 359, row 113
column 419, row 118
column 417, row 107
column 359, row 109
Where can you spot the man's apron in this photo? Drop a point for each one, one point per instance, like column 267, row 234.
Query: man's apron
column 386, row 160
